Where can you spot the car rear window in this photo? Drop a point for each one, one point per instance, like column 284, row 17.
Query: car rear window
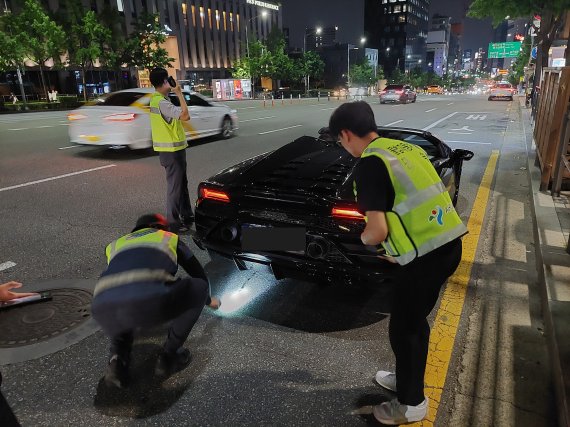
column 121, row 99
column 394, row 87
column 429, row 147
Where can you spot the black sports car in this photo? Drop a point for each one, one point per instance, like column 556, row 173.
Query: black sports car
column 294, row 209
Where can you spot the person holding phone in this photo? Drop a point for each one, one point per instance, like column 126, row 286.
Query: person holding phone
column 169, row 140
column 7, row 295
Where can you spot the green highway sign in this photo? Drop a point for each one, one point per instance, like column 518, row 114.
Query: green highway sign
column 504, row 50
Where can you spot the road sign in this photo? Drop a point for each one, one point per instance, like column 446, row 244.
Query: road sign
column 533, row 52
column 503, row 72
column 504, row 50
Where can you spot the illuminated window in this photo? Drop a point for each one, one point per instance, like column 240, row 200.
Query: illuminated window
column 184, row 14
column 237, row 20
column 202, row 16
column 210, row 17
column 120, row 6
column 193, row 15
column 402, row 19
column 217, row 20
column 231, row 22
column 397, row 9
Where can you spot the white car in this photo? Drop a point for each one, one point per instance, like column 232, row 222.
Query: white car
column 502, row 91
column 123, row 119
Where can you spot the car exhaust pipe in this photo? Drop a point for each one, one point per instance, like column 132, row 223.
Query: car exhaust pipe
column 229, row 233
column 317, row 248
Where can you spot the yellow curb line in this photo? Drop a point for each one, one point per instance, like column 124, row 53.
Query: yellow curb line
column 443, row 333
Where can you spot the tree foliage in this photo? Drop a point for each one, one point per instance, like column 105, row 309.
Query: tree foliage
column 362, row 74
column 144, row 44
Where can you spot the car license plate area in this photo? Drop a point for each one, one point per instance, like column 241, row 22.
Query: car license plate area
column 266, row 238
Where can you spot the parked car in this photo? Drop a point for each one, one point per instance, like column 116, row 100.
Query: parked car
column 435, row 89
column 122, row 119
column 502, row 90
column 398, row 93
column 299, row 202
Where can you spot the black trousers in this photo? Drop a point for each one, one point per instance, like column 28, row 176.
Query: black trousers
column 178, row 206
column 121, row 310
column 7, row 417
column 416, row 290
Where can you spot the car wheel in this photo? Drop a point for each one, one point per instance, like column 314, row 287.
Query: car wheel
column 227, row 128
column 382, row 102
column 414, row 100
column 490, row 98
column 511, row 98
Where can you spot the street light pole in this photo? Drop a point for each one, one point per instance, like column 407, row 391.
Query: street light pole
column 252, row 87
column 315, row 31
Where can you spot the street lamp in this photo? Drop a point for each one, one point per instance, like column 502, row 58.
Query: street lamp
column 348, row 49
column 317, row 31
column 263, row 15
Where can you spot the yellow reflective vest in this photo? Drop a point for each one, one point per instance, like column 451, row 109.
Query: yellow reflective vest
column 168, row 137
column 423, row 217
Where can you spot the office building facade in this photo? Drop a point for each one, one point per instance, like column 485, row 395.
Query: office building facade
column 398, row 29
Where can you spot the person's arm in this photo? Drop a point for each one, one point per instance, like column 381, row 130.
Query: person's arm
column 376, row 229
column 7, row 295
column 185, row 115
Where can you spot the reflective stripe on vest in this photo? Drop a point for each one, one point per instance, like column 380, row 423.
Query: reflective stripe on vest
column 423, row 217
column 132, row 276
column 167, row 137
column 163, row 241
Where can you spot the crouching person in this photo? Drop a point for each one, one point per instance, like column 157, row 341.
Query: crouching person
column 138, row 290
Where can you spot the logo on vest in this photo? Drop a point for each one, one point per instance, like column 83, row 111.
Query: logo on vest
column 437, row 214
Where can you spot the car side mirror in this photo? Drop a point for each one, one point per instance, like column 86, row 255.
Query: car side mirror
column 461, row 154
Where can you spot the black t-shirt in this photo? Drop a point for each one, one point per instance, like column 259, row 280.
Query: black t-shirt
column 373, row 186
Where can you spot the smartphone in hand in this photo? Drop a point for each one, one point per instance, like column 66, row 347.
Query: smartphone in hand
column 40, row 297
column 171, row 81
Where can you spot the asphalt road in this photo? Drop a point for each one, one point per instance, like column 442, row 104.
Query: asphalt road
column 294, row 353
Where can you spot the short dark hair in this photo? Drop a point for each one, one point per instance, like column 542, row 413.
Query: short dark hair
column 356, row 117
column 158, row 76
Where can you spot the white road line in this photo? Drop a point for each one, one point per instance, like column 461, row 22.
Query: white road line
column 429, row 111
column 47, row 126
column 467, row 142
column 6, row 265
column 462, row 133
column 451, row 103
column 55, row 177
column 325, row 109
column 434, row 124
column 276, row 130
column 245, row 108
column 394, row 123
column 67, row 148
column 19, row 129
column 64, row 124
column 259, row 118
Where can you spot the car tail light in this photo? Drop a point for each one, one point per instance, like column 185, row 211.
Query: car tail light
column 211, row 194
column 399, row 91
column 128, row 117
column 348, row 213
column 75, row 116
column 383, row 91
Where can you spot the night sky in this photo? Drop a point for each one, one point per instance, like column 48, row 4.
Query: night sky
column 349, row 16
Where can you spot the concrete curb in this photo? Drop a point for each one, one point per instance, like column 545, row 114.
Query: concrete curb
column 553, row 267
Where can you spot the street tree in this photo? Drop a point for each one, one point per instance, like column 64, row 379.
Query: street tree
column 520, row 63
column 12, row 54
column 41, row 38
column 116, row 51
column 145, row 42
column 362, row 74
column 241, row 69
column 313, row 66
column 551, row 12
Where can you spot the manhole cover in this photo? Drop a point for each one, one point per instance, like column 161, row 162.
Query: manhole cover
column 42, row 321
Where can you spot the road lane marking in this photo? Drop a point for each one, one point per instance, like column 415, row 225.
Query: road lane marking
column 13, row 187
column 6, row 265
column 68, row 147
column 467, row 142
column 20, row 129
column 429, row 111
column 64, row 124
column 259, row 118
column 245, row 108
column 278, row 130
column 461, row 133
column 46, row 126
column 442, row 337
column 324, row 109
column 476, row 117
column 394, row 123
column 434, row 124
column 464, row 129
column 451, row 103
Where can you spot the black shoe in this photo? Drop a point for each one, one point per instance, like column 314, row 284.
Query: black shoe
column 117, row 373
column 167, row 363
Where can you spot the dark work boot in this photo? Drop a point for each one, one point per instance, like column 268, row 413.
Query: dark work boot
column 117, row 372
column 169, row 363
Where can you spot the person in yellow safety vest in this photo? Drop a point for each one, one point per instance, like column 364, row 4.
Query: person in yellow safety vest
column 409, row 212
column 169, row 140
column 138, row 290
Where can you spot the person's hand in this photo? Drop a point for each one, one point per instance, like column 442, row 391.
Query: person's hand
column 215, row 303
column 177, row 89
column 7, row 295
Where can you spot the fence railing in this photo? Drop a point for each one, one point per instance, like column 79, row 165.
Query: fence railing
column 551, row 131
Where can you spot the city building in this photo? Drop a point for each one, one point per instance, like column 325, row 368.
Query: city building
column 437, row 44
column 455, row 53
column 205, row 38
column 338, row 58
column 318, row 37
column 398, row 29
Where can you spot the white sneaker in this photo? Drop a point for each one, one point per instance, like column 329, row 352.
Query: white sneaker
column 386, row 379
column 395, row 413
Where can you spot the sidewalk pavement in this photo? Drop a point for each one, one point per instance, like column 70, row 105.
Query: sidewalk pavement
column 551, row 232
